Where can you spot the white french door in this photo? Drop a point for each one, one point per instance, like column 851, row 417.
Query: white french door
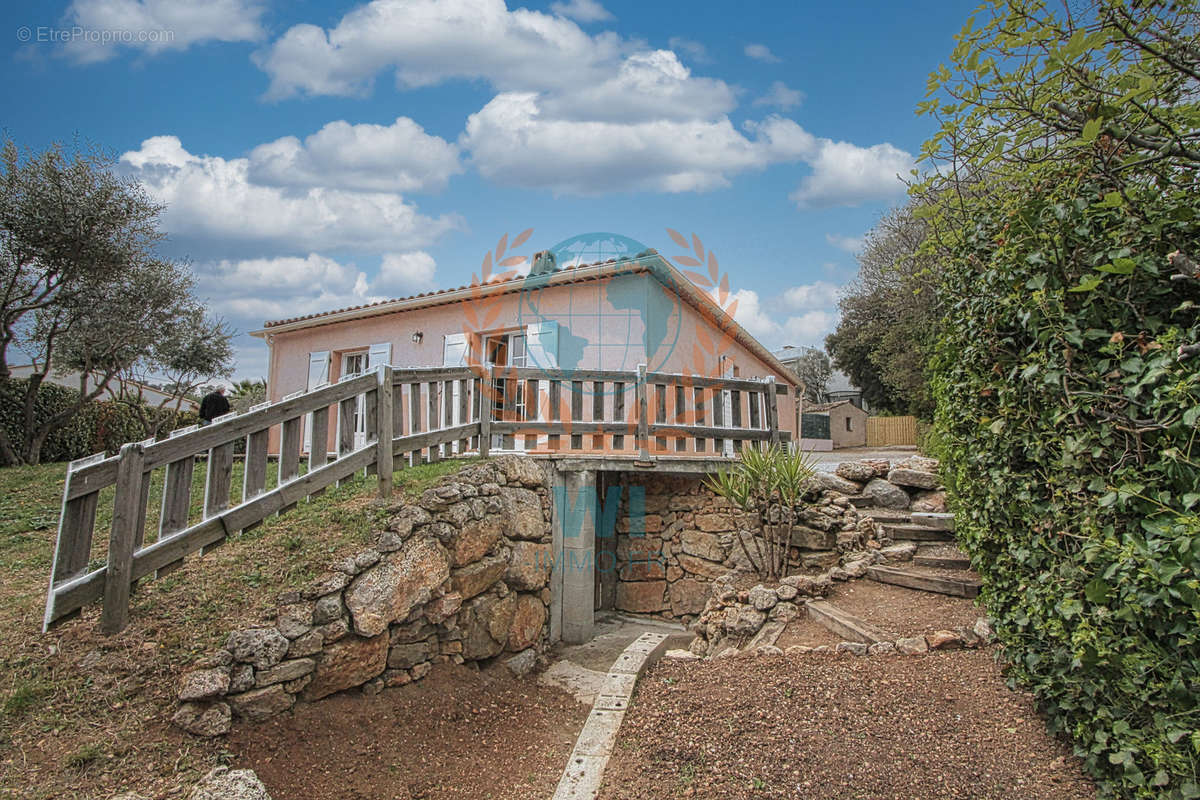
column 356, row 364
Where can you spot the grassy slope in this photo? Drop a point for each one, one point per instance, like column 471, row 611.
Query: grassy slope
column 82, row 715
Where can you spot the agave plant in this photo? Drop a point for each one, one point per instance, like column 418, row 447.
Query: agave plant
column 771, row 483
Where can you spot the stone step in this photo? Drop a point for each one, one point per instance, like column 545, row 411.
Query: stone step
column 938, row 522
column 916, row 533
column 940, row 557
column 885, row 515
column 848, row 626
column 928, row 582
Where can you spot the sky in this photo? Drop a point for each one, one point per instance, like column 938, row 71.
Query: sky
column 315, row 155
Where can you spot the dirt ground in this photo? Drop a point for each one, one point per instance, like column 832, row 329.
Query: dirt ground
column 937, row 727
column 804, row 630
column 459, row 733
column 903, row 612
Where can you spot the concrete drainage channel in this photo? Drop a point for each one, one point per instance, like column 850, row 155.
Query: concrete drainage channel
column 585, row 769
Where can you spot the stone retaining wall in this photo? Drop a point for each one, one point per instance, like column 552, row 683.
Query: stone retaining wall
column 667, row 557
column 459, row 575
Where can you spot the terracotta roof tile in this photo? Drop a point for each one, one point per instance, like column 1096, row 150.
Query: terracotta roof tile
column 435, row 293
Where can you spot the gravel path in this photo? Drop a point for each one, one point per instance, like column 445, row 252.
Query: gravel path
column 938, row 727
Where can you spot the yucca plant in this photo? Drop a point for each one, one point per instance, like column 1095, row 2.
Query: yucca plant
column 771, row 483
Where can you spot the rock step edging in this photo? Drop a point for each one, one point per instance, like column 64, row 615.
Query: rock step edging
column 844, row 624
column 957, row 587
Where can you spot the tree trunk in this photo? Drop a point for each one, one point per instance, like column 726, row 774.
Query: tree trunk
column 8, row 454
column 33, row 447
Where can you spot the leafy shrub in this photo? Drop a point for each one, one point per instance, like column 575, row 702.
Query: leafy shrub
column 97, row 427
column 70, row 441
column 1068, row 424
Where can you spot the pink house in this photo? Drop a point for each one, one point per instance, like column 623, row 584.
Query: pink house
column 581, row 327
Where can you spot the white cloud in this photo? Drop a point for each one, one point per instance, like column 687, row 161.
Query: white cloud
column 155, row 26
column 784, row 140
column 851, row 244
column 845, row 174
column 426, row 42
column 401, row 273
column 399, row 157
column 760, row 52
column 817, row 314
column 750, row 315
column 820, row 294
column 811, row 327
column 582, row 10
column 430, row 41
column 694, row 50
column 653, row 85
column 510, row 142
column 780, row 96
column 211, row 199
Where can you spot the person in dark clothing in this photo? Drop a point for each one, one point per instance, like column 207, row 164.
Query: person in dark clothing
column 213, row 405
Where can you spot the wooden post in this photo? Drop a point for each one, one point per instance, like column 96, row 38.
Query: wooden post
column 219, row 479
column 177, row 496
column 254, row 479
column 643, row 428
column 463, row 414
column 486, row 402
column 216, row 486
column 384, row 411
column 74, row 545
column 143, row 503
column 370, row 410
column 117, row 584
column 772, row 410
column 318, row 442
column 435, row 405
column 289, row 454
column 345, row 443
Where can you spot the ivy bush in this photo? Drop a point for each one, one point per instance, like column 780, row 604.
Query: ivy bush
column 1069, row 431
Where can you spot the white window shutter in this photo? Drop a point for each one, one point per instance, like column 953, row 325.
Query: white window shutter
column 454, row 350
column 541, row 344
column 318, row 369
column 379, row 355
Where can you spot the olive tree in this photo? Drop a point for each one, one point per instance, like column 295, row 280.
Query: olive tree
column 82, row 289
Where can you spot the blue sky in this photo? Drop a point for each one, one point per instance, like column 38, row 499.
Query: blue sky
column 314, row 155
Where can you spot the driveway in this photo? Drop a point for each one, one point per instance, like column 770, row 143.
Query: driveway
column 828, row 461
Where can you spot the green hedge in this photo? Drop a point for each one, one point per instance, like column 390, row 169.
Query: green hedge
column 97, row 427
column 1068, row 429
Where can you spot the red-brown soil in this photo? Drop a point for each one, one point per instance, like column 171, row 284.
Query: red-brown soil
column 938, row 727
column 459, row 733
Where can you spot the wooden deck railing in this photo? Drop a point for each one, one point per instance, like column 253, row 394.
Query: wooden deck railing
column 434, row 414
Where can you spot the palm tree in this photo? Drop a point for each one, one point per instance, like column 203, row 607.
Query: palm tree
column 247, row 392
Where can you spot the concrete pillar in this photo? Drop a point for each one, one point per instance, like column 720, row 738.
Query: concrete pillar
column 575, row 551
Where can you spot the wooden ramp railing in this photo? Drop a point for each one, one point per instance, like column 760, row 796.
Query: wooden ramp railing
column 432, row 414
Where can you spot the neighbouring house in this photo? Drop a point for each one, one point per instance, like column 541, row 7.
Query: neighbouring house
column 840, row 388
column 132, row 391
column 847, row 422
column 611, row 317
